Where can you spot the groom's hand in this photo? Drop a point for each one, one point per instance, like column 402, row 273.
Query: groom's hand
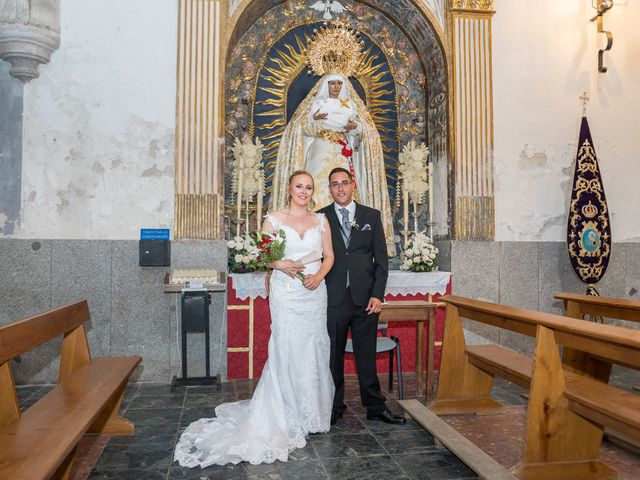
column 374, row 306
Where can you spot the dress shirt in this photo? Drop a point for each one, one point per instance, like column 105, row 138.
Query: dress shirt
column 351, row 208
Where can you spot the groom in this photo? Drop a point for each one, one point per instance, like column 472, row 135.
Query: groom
column 355, row 289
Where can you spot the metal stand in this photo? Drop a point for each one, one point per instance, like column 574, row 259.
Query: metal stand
column 194, row 313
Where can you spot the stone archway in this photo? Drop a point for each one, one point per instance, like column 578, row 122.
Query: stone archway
column 420, row 26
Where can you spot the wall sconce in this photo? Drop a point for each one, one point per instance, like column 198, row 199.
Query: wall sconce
column 601, row 7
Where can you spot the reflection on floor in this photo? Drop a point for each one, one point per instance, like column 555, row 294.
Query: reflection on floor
column 355, row 448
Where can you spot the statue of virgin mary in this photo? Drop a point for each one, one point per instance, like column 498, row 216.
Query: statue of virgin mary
column 332, row 128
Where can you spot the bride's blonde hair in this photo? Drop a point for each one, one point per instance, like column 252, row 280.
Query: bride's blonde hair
column 297, row 173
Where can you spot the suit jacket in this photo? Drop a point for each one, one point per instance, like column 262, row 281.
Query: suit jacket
column 365, row 259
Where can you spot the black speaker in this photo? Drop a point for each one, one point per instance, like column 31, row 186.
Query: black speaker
column 155, row 253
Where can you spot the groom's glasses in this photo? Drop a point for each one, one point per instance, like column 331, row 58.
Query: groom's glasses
column 344, row 183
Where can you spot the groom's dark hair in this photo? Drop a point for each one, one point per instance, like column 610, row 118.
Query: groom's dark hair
column 340, row 170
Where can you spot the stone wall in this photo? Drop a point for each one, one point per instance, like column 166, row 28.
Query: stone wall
column 131, row 315
column 528, row 275
column 129, row 312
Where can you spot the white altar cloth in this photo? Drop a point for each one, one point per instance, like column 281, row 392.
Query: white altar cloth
column 251, row 285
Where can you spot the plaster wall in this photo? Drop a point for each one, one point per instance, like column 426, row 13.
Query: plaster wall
column 544, row 57
column 98, row 149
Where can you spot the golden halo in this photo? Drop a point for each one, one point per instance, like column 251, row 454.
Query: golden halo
column 334, row 48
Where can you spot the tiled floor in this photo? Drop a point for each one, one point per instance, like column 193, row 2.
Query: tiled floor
column 355, row 448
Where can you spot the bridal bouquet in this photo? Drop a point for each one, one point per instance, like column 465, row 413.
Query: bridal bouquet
column 257, row 250
column 419, row 254
column 270, row 247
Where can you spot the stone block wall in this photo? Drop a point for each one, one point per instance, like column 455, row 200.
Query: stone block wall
column 131, row 315
column 129, row 312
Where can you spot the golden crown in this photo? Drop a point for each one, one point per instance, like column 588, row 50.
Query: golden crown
column 589, row 210
column 335, row 48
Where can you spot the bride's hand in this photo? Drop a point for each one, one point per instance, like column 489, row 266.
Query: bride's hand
column 312, row 281
column 320, row 116
column 350, row 125
column 289, row 267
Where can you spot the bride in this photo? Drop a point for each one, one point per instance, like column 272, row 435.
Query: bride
column 294, row 396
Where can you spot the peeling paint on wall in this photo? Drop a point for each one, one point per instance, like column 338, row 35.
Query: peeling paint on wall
column 99, row 136
column 533, row 161
column 156, row 172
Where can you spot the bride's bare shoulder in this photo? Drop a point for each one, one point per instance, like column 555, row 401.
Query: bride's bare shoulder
column 278, row 214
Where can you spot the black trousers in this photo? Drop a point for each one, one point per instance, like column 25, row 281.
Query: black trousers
column 364, row 332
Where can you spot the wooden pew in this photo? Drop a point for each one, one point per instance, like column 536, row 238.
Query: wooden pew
column 569, row 405
column 40, row 443
column 578, row 305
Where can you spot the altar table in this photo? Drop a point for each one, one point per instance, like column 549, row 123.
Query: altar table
column 249, row 322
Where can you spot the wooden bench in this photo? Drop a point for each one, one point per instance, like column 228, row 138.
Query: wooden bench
column 569, row 403
column 578, row 305
column 41, row 442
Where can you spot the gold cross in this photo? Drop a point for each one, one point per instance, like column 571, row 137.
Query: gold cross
column 585, row 98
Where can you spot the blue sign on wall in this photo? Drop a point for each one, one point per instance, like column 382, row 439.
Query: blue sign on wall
column 154, row 234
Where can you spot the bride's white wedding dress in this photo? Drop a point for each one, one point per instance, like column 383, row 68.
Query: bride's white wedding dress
column 294, row 396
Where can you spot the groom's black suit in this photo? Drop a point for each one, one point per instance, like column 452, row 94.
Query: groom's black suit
column 366, row 261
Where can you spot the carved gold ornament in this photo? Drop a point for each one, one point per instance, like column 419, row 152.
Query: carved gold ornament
column 486, row 5
column 334, row 48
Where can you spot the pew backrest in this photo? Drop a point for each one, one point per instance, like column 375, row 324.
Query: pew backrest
column 618, row 344
column 20, row 337
column 578, row 305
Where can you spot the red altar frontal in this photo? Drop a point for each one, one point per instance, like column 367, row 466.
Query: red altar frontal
column 249, row 321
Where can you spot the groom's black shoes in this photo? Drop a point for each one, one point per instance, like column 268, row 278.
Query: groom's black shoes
column 335, row 416
column 387, row 417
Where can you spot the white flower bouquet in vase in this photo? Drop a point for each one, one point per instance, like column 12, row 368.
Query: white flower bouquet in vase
column 419, row 254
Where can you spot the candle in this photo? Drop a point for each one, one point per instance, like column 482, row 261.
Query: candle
column 415, row 217
column 240, row 187
column 431, row 200
column 246, row 223
column 405, row 205
column 259, row 200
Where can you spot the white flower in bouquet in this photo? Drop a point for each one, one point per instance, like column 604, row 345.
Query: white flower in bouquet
column 231, row 244
column 238, row 258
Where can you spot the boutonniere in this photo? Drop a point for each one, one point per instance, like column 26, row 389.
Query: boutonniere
column 354, row 225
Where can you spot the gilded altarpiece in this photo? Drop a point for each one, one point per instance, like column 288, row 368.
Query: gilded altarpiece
column 403, row 81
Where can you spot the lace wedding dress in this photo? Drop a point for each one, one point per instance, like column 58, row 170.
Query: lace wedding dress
column 294, row 396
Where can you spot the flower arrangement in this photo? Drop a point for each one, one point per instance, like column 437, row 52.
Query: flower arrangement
column 243, row 255
column 414, row 171
column 419, row 254
column 253, row 252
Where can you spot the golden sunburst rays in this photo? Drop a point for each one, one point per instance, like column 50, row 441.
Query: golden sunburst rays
column 381, row 101
column 284, row 65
